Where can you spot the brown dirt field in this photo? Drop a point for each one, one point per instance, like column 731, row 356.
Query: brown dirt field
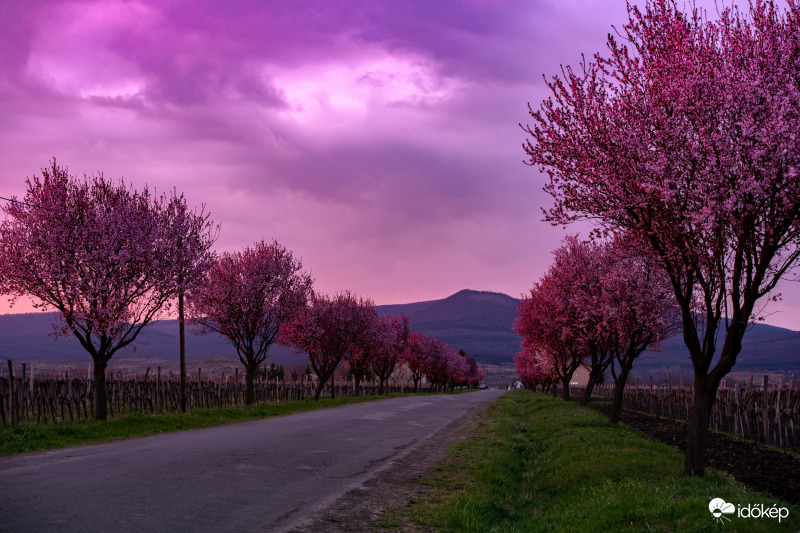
column 760, row 467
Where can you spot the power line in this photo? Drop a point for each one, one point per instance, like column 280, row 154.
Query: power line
column 30, row 205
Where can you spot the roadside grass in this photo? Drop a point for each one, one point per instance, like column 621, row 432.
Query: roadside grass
column 540, row 464
column 31, row 436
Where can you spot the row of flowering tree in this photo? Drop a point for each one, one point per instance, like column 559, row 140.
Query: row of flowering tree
column 112, row 260
column 440, row 363
column 684, row 138
column 599, row 304
column 346, row 329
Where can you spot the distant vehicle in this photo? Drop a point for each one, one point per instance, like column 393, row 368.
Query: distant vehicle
column 483, row 386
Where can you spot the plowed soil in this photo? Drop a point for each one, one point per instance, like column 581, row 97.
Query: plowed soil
column 762, row 468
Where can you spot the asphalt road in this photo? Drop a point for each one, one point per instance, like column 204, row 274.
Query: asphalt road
column 263, row 475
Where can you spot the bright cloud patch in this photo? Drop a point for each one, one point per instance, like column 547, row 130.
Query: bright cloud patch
column 74, row 53
column 356, row 86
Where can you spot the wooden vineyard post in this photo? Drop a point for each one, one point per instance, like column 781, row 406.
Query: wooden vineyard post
column 158, row 389
column 22, row 399
column 778, row 412
column 182, row 347
column 10, row 392
column 789, row 412
column 765, row 410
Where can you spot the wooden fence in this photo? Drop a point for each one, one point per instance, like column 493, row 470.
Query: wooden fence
column 67, row 398
column 762, row 413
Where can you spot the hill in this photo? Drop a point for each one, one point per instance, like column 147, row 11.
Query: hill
column 28, row 338
column 765, row 350
column 479, row 322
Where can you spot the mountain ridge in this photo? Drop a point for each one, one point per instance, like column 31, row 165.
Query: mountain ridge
column 479, row 322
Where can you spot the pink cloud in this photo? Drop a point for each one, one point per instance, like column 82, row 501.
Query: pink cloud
column 378, row 140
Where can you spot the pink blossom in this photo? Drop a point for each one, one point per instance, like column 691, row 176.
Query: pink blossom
column 108, row 258
column 246, row 296
column 327, row 330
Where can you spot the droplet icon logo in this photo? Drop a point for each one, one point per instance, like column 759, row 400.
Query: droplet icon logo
column 719, row 508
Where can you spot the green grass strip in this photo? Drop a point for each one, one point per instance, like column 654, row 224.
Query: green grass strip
column 31, row 437
column 540, row 464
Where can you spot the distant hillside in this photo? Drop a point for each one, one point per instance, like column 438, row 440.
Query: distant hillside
column 478, row 322
column 27, row 337
column 765, row 349
column 481, row 323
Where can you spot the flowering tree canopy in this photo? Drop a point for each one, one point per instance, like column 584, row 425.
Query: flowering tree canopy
column 327, row 330
column 641, row 313
column 550, row 322
column 420, row 349
column 392, row 339
column 108, row 258
column 442, row 364
column 579, row 268
column 531, row 368
column 366, row 348
column 246, row 296
column 684, row 137
column 474, row 375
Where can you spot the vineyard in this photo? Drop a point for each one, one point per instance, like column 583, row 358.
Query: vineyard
column 761, row 412
column 49, row 398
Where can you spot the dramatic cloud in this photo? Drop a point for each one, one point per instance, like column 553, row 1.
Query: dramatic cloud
column 378, row 140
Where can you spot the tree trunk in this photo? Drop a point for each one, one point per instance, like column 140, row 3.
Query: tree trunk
column 318, row 390
column 705, row 391
column 182, row 349
column 100, row 399
column 587, row 394
column 619, row 394
column 416, row 384
column 565, row 392
column 249, row 379
column 357, row 385
column 381, row 385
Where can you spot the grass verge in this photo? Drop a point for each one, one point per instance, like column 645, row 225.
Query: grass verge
column 540, row 464
column 31, row 437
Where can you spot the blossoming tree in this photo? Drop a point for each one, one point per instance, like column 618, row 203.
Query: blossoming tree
column 418, row 352
column 640, row 313
column 327, row 330
column 246, row 297
column 529, row 369
column 367, row 346
column 549, row 322
column 393, row 340
column 108, row 258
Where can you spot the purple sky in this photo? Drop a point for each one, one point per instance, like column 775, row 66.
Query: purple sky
column 378, row 140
